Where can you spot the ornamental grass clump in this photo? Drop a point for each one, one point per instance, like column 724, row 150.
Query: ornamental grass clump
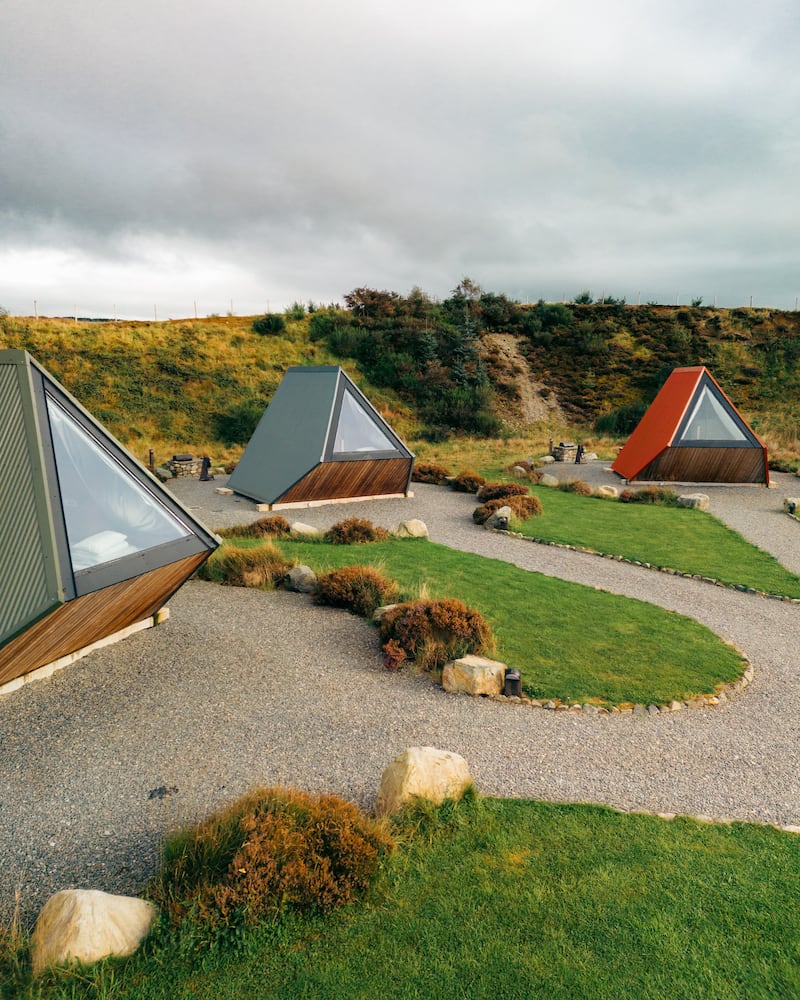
column 355, row 531
column 261, row 566
column 577, row 486
column 497, row 491
column 273, row 849
column 467, row 481
column 273, row 526
column 522, row 508
column 360, row 589
column 662, row 496
column 437, row 475
column 428, row 633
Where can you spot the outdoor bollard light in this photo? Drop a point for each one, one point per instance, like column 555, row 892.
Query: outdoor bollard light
column 792, row 506
column 502, row 524
column 513, row 685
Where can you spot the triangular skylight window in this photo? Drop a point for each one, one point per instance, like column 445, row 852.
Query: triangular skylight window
column 356, row 430
column 710, row 420
column 108, row 514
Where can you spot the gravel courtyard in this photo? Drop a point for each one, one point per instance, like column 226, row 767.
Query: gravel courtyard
column 245, row 687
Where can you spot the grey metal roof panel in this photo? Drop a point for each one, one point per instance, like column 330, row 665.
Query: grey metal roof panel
column 290, row 437
column 30, row 581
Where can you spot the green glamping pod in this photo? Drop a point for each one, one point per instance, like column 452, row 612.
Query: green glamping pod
column 90, row 542
column 320, row 440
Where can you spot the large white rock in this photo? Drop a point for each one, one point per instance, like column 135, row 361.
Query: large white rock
column 425, row 773
column 699, row 501
column 298, row 528
column 607, row 491
column 414, row 528
column 548, row 480
column 85, row 925
column 474, row 675
column 545, row 460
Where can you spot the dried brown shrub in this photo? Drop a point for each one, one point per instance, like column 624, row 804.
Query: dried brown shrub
column 522, row 507
column 360, row 589
column 230, row 467
column 430, row 473
column 261, row 566
column 274, row 848
column 577, row 486
column 429, row 633
column 467, row 481
column 494, row 491
column 660, row 495
column 355, row 531
column 274, row 526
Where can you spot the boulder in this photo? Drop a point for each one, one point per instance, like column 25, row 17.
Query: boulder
column 589, row 456
column 425, row 773
column 544, row 460
column 474, row 675
column 411, row 529
column 499, row 519
column 698, row 501
column 85, row 925
column 607, row 491
column 378, row 613
column 791, row 505
column 301, row 579
column 548, row 480
column 298, row 528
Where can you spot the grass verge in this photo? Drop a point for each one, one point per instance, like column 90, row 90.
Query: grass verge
column 618, row 650
column 517, row 899
column 688, row 540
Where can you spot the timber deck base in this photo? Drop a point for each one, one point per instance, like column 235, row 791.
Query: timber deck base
column 306, row 504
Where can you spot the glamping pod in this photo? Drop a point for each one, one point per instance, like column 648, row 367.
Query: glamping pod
column 692, row 433
column 319, row 441
column 90, row 543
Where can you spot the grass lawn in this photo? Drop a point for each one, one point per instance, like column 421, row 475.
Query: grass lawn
column 501, row 898
column 688, row 540
column 570, row 642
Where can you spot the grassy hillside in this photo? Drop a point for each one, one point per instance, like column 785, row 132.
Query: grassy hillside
column 431, row 367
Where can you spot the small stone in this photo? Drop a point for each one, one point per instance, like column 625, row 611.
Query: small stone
column 378, row 613
column 590, row 709
column 639, row 710
column 549, row 481
column 652, row 709
column 298, row 528
column 697, row 501
column 223, row 491
column 549, row 705
column 301, row 579
column 676, row 706
column 413, row 528
column 474, row 675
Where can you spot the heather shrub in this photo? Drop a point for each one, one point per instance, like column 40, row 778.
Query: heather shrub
column 577, row 486
column 273, row 526
column 661, row 495
column 495, row 491
column 271, row 850
column 354, row 531
column 522, row 508
column 430, row 473
column 360, row 589
column 431, row 632
column 261, row 566
column 467, row 481
column 230, row 467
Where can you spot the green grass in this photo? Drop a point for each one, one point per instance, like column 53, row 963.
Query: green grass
column 691, row 541
column 517, row 899
column 571, row 642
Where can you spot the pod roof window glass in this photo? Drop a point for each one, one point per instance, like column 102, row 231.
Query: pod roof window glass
column 357, row 431
column 710, row 420
column 108, row 514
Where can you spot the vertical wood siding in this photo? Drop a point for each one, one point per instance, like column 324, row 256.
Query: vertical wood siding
column 95, row 616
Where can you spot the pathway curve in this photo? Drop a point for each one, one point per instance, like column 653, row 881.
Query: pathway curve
column 243, row 687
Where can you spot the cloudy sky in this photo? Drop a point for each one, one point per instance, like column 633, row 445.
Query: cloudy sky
column 159, row 154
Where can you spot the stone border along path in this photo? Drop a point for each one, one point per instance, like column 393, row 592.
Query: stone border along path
column 245, row 687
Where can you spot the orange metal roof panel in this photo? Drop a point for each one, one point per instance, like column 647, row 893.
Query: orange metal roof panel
column 657, row 427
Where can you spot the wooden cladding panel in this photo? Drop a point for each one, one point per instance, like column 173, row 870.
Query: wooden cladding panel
column 707, row 465
column 340, row 480
column 87, row 619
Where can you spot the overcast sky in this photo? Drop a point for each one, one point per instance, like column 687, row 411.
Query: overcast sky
column 246, row 154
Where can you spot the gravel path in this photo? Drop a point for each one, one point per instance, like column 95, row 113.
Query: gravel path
column 243, row 687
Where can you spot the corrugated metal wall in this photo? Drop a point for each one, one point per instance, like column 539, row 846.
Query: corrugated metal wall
column 25, row 588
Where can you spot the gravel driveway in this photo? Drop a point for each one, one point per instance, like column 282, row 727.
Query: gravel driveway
column 242, row 687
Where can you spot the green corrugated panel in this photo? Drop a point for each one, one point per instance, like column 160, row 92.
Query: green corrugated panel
column 28, row 576
column 290, row 437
